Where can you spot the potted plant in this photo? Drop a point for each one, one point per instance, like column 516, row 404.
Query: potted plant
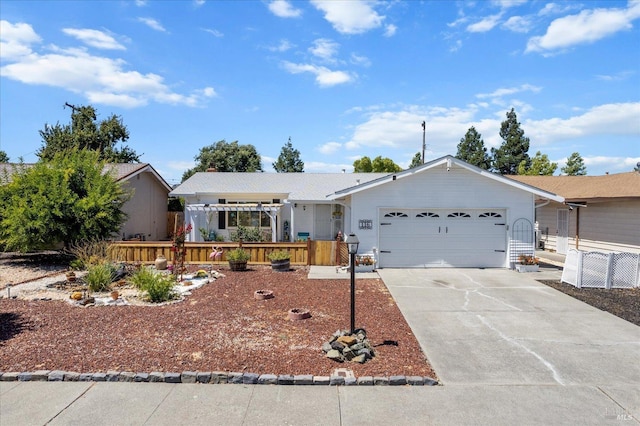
column 527, row 263
column 280, row 260
column 364, row 263
column 238, row 259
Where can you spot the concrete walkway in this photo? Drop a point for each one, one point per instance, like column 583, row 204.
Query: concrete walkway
column 508, row 350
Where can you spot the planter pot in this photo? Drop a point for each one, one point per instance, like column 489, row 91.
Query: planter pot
column 527, row 268
column 161, row 263
column 281, row 265
column 115, row 295
column 238, row 265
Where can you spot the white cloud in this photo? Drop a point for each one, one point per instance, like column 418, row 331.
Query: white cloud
column 390, row 30
column 622, row 75
column 94, row 38
column 330, row 148
column 588, row 26
column 508, row 3
column 284, row 9
column 141, row 3
column 360, row 60
column 349, row 17
column 324, row 49
column 611, row 164
column 99, row 79
column 215, row 33
column 320, row 167
column 484, row 25
column 324, row 76
column 499, row 93
column 199, row 3
column 283, row 46
column 16, row 40
column 153, row 24
column 518, row 24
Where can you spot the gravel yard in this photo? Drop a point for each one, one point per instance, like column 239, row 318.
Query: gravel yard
column 220, row 327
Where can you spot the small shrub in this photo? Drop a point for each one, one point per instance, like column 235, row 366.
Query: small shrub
column 279, row 255
column 90, row 252
column 238, row 255
column 76, row 265
column 247, row 234
column 99, row 277
column 159, row 287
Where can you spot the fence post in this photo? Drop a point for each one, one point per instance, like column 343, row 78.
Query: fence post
column 579, row 270
column 609, row 276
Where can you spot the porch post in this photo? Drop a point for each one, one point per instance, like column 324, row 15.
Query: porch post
column 274, row 235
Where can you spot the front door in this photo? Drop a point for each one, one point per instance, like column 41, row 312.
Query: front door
column 562, row 239
column 323, row 222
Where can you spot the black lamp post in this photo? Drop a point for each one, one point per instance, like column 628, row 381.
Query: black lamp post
column 352, row 244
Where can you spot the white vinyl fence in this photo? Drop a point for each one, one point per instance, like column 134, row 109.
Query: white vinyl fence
column 601, row 270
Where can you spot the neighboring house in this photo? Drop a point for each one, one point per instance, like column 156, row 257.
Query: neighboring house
column 600, row 213
column 146, row 210
column 445, row 213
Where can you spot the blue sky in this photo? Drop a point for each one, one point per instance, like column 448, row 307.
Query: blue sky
column 343, row 79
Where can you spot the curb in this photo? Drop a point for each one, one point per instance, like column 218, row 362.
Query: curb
column 214, row 377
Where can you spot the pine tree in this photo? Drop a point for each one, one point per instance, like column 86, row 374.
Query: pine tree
column 472, row 150
column 540, row 166
column 575, row 166
column 514, row 148
column 289, row 160
column 416, row 161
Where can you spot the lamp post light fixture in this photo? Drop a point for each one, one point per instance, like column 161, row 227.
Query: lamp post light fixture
column 352, row 244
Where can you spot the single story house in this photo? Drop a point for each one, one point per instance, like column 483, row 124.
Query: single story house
column 600, row 213
column 445, row 213
column 146, row 210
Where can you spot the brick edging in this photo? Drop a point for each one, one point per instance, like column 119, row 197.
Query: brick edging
column 214, row 377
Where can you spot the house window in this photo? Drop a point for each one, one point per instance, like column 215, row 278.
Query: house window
column 253, row 219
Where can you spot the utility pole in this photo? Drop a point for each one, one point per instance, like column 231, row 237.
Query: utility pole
column 424, row 144
column 74, row 109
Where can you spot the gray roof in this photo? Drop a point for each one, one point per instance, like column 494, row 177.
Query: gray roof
column 298, row 186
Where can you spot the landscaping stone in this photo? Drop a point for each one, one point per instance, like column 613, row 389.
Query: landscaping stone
column 268, row 379
column 350, row 381
column 428, row 381
column 235, row 378
column 219, row 377
column 98, row 377
column 397, row 380
column 326, row 347
column 40, row 375
column 203, row 377
column 415, row 380
column 9, row 377
column 188, row 377
column 343, row 346
column 85, row 377
column 156, row 376
column 285, row 379
column 336, row 381
column 338, row 346
column 126, row 376
column 171, row 377
column 56, row 376
column 24, row 377
column 321, row 380
column 361, row 359
column 112, row 376
column 141, row 377
column 381, row 381
column 71, row 376
column 335, row 355
column 347, row 340
column 250, row 378
column 303, row 379
column 365, row 381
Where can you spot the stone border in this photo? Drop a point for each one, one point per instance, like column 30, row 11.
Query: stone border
column 215, row 377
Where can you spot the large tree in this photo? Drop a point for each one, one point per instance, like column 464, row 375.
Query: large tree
column 289, row 160
column 575, row 166
column 67, row 199
column 86, row 132
column 416, row 161
column 514, row 149
column 472, row 150
column 4, row 158
column 540, row 166
column 226, row 157
column 378, row 165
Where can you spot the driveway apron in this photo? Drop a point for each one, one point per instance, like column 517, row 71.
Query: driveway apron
column 500, row 327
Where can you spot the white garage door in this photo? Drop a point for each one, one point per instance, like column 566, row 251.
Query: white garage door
column 442, row 238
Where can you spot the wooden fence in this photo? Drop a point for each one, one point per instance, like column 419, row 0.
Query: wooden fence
column 303, row 253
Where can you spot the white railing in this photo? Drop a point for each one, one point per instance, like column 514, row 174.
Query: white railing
column 601, row 270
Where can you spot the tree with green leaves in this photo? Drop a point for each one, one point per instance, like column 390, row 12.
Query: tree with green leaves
column 86, row 132
column 289, row 160
column 378, row 165
column 540, row 166
column 226, row 157
column 67, row 199
column 471, row 149
column 514, row 149
column 575, row 166
column 416, row 161
column 4, row 158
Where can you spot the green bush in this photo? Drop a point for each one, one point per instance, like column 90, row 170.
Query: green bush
column 99, row 277
column 247, row 234
column 279, row 255
column 238, row 255
column 159, row 287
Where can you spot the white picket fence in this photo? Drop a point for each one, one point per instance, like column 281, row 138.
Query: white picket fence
column 601, row 270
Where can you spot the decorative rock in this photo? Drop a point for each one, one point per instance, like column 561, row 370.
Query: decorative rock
column 326, row 347
column 112, row 376
column 156, row 376
column 285, row 379
column 358, row 346
column 141, row 377
column 188, row 377
column 9, row 377
column 24, row 377
column 397, row 380
column 171, row 377
column 335, row 355
column 415, row 380
column 268, row 379
column 350, row 381
column 219, row 377
column 85, row 377
column 336, row 380
column 126, row 376
column 303, row 379
column 381, row 381
column 40, row 376
column 321, row 380
column 428, row 381
column 250, row 378
column 56, row 376
column 360, row 359
column 203, row 377
column 235, row 378
column 98, row 377
column 71, row 376
column 365, row 381
column 338, row 346
column 347, row 340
